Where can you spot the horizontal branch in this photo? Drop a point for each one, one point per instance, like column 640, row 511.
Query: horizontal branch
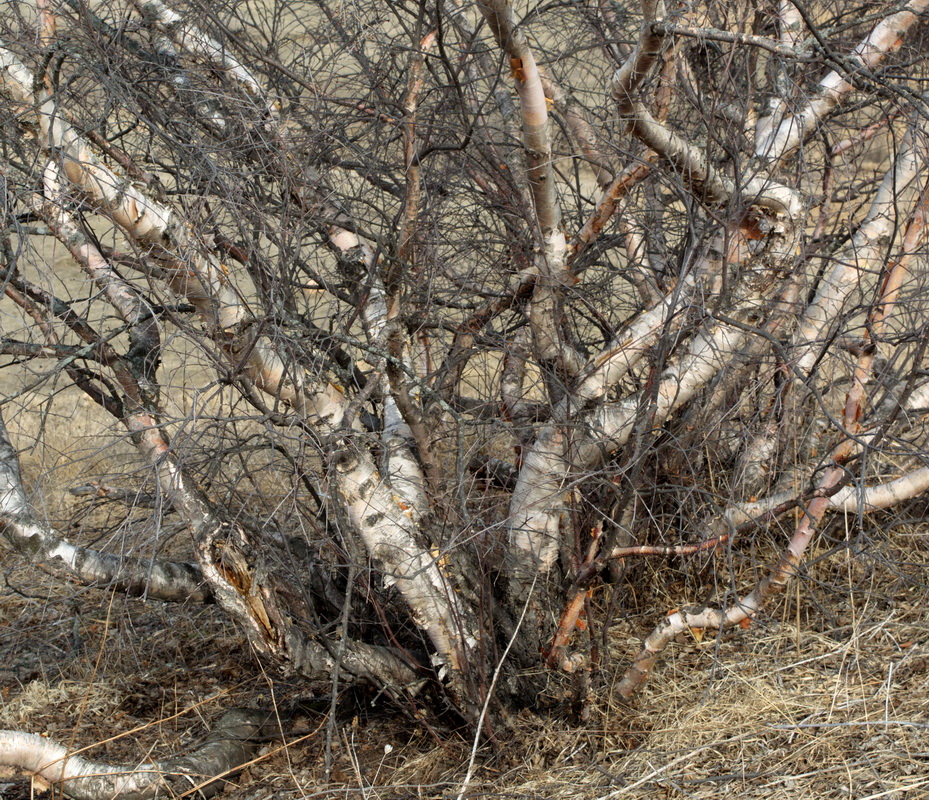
column 161, row 580
column 853, row 499
column 732, row 37
column 206, row 771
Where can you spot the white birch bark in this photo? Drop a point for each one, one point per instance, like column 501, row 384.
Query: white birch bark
column 746, row 607
column 886, row 38
column 388, row 532
column 544, row 479
column 640, row 62
column 386, row 515
column 41, row 544
column 196, row 272
column 824, row 498
column 863, row 257
column 551, row 264
column 615, row 361
column 516, row 408
column 538, row 499
column 868, row 248
column 207, row 108
column 539, row 496
column 193, row 270
column 228, row 563
column 585, row 135
column 477, row 68
column 402, row 472
column 688, row 159
column 190, row 37
column 849, row 499
column 205, row 771
column 694, row 165
column 790, row 31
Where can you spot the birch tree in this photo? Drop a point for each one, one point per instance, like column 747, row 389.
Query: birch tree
column 493, row 302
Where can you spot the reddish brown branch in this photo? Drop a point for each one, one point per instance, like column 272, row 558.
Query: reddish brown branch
column 670, row 550
column 606, row 208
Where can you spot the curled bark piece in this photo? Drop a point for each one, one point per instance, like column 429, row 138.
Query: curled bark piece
column 206, row 771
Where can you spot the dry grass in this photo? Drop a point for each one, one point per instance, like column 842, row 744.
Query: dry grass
column 826, row 697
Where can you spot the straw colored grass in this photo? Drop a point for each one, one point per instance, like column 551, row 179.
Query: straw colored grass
column 835, row 707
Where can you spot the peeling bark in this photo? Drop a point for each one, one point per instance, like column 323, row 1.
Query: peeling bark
column 195, row 272
column 688, row 159
column 825, row 497
column 552, row 265
column 381, row 281
column 544, row 478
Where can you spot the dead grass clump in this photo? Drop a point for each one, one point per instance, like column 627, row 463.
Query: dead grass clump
column 826, row 696
column 39, row 697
